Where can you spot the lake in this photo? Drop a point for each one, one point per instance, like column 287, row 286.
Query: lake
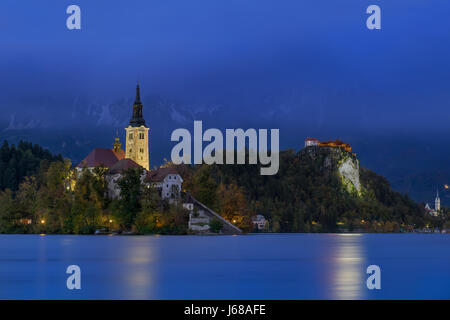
column 260, row 266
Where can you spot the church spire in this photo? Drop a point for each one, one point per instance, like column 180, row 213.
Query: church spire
column 437, row 201
column 138, row 94
column 117, row 144
column 137, row 118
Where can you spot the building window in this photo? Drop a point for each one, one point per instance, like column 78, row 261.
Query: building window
column 141, row 135
column 130, row 136
column 141, row 150
column 130, row 150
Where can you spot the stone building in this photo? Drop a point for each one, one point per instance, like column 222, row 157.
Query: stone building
column 200, row 217
column 137, row 135
column 115, row 173
column 259, row 222
column 167, row 181
column 437, row 206
column 101, row 157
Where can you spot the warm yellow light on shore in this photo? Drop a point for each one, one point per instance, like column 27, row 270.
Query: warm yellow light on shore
column 110, row 221
column 446, row 186
column 42, row 221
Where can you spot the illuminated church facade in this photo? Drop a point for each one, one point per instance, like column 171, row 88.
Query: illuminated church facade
column 437, row 206
column 137, row 142
column 136, row 148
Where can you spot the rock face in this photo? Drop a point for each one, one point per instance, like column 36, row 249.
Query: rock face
column 349, row 172
column 336, row 160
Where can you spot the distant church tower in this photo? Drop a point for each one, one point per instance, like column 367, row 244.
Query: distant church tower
column 137, row 135
column 117, row 144
column 437, row 202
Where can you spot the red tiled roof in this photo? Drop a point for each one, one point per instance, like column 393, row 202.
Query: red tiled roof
column 311, row 139
column 122, row 165
column 101, row 156
column 158, row 175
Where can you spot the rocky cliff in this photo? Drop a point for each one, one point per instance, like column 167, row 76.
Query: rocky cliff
column 336, row 161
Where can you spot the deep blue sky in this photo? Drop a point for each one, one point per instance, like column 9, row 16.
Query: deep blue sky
column 287, row 64
column 309, row 68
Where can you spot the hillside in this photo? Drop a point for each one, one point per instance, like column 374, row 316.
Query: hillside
column 316, row 189
column 23, row 160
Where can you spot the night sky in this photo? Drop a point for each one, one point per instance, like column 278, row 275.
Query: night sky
column 309, row 68
column 298, row 63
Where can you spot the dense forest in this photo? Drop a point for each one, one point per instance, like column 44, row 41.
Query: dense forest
column 59, row 200
column 43, row 193
column 306, row 197
column 22, row 161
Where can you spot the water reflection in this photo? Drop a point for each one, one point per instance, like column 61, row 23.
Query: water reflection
column 139, row 281
column 348, row 265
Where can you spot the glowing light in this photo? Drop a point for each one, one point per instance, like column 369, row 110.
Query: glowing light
column 110, row 221
column 446, row 186
column 42, row 221
column 348, row 280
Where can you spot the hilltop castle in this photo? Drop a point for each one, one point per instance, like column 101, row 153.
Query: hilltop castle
column 335, row 143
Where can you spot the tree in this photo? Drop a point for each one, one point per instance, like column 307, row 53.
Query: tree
column 53, row 200
column 130, row 196
column 215, row 225
column 232, row 201
column 148, row 219
column 204, row 187
column 7, row 212
column 88, row 202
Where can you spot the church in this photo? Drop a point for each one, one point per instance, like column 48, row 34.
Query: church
column 165, row 179
column 136, row 155
column 437, row 206
column 137, row 135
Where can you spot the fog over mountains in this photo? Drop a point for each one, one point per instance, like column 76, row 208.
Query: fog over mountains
column 414, row 162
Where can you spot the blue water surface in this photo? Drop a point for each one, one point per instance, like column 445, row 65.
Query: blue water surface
column 263, row 266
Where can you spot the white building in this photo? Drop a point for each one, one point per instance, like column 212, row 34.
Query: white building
column 259, row 222
column 114, row 173
column 437, row 202
column 437, row 206
column 167, row 181
column 311, row 142
column 200, row 217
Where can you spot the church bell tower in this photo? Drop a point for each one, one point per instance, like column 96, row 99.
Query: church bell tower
column 437, row 202
column 137, row 135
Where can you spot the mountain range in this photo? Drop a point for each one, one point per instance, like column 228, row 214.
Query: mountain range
column 414, row 162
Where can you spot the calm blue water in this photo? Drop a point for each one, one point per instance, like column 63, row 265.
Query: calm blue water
column 274, row 266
